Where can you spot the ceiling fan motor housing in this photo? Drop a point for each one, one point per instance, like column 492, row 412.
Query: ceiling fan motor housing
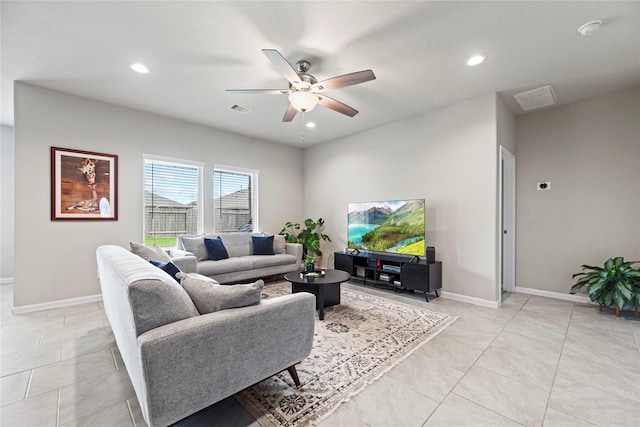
column 303, row 66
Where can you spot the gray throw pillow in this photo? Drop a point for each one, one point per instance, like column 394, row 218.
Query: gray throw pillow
column 279, row 246
column 195, row 245
column 209, row 297
column 197, row 276
column 149, row 253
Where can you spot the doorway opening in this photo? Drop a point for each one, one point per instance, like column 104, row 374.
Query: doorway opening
column 507, row 198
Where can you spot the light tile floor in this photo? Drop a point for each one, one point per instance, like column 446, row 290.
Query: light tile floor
column 535, row 361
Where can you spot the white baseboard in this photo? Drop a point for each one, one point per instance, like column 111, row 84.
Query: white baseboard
column 470, row 300
column 556, row 295
column 55, row 304
column 6, row 281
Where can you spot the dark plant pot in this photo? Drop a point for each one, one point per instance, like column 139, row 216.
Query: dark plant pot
column 308, row 268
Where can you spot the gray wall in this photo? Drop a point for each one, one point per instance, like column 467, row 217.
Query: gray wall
column 448, row 157
column 590, row 151
column 506, row 125
column 55, row 260
column 7, row 155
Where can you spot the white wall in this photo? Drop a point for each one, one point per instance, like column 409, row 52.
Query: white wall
column 448, row 157
column 55, row 260
column 7, row 155
column 590, row 151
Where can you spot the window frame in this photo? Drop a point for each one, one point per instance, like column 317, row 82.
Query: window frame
column 174, row 161
column 254, row 174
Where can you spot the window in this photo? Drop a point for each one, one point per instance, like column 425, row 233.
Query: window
column 172, row 199
column 235, row 199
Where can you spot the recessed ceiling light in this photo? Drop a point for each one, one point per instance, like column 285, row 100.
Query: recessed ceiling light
column 140, row 68
column 475, row 60
column 311, row 125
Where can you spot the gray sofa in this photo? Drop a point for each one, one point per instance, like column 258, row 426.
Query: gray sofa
column 242, row 263
column 180, row 361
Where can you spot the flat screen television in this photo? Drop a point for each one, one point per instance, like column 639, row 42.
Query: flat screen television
column 395, row 226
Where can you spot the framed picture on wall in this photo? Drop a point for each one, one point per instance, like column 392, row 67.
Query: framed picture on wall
column 84, row 185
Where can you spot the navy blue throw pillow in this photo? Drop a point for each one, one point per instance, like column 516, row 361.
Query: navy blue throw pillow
column 168, row 267
column 216, row 249
column 263, row 245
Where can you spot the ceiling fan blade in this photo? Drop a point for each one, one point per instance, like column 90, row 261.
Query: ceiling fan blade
column 262, row 91
column 282, row 65
column 338, row 106
column 289, row 114
column 344, row 80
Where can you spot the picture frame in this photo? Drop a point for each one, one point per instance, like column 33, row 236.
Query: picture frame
column 84, row 185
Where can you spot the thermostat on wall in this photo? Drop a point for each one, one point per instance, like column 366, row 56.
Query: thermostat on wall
column 545, row 185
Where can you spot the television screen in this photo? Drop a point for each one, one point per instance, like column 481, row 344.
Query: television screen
column 393, row 226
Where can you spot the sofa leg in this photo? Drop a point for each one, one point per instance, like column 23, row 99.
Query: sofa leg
column 294, row 375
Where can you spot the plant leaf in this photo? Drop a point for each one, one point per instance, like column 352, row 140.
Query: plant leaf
column 608, row 264
column 575, row 288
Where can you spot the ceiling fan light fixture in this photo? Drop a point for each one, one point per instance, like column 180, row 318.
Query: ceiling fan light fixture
column 303, row 100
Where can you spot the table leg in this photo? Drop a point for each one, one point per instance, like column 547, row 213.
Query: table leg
column 321, row 302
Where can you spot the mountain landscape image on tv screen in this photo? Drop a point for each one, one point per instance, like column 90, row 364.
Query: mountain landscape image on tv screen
column 392, row 226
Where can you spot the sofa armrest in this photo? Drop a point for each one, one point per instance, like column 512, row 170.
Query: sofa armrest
column 175, row 252
column 192, row 363
column 294, row 249
column 186, row 261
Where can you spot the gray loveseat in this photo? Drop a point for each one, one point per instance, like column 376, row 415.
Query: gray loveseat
column 180, row 361
column 242, row 263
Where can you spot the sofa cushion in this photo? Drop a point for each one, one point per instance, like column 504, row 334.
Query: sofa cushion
column 233, row 264
column 157, row 303
column 262, row 245
column 261, row 261
column 215, row 249
column 168, row 267
column 237, row 244
column 195, row 245
column 210, row 296
column 147, row 253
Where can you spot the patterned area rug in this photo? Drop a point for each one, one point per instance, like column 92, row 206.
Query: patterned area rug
column 359, row 340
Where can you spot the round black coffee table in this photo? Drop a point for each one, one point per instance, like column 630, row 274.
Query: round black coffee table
column 325, row 288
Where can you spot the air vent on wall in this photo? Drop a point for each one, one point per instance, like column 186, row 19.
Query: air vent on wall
column 240, row 108
column 536, row 98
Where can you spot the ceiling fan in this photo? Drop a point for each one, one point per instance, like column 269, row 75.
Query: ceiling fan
column 305, row 92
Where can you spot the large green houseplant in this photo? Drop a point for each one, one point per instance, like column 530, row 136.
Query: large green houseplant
column 309, row 235
column 618, row 283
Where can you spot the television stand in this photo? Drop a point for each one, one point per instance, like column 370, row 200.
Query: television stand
column 392, row 271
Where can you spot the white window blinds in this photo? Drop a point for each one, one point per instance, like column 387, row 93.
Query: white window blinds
column 172, row 200
column 235, row 196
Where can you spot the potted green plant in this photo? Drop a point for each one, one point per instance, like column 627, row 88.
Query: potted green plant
column 618, row 283
column 309, row 235
column 309, row 264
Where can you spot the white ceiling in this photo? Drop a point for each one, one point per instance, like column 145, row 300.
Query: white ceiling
column 417, row 50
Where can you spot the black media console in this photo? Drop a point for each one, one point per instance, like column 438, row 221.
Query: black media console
column 394, row 271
